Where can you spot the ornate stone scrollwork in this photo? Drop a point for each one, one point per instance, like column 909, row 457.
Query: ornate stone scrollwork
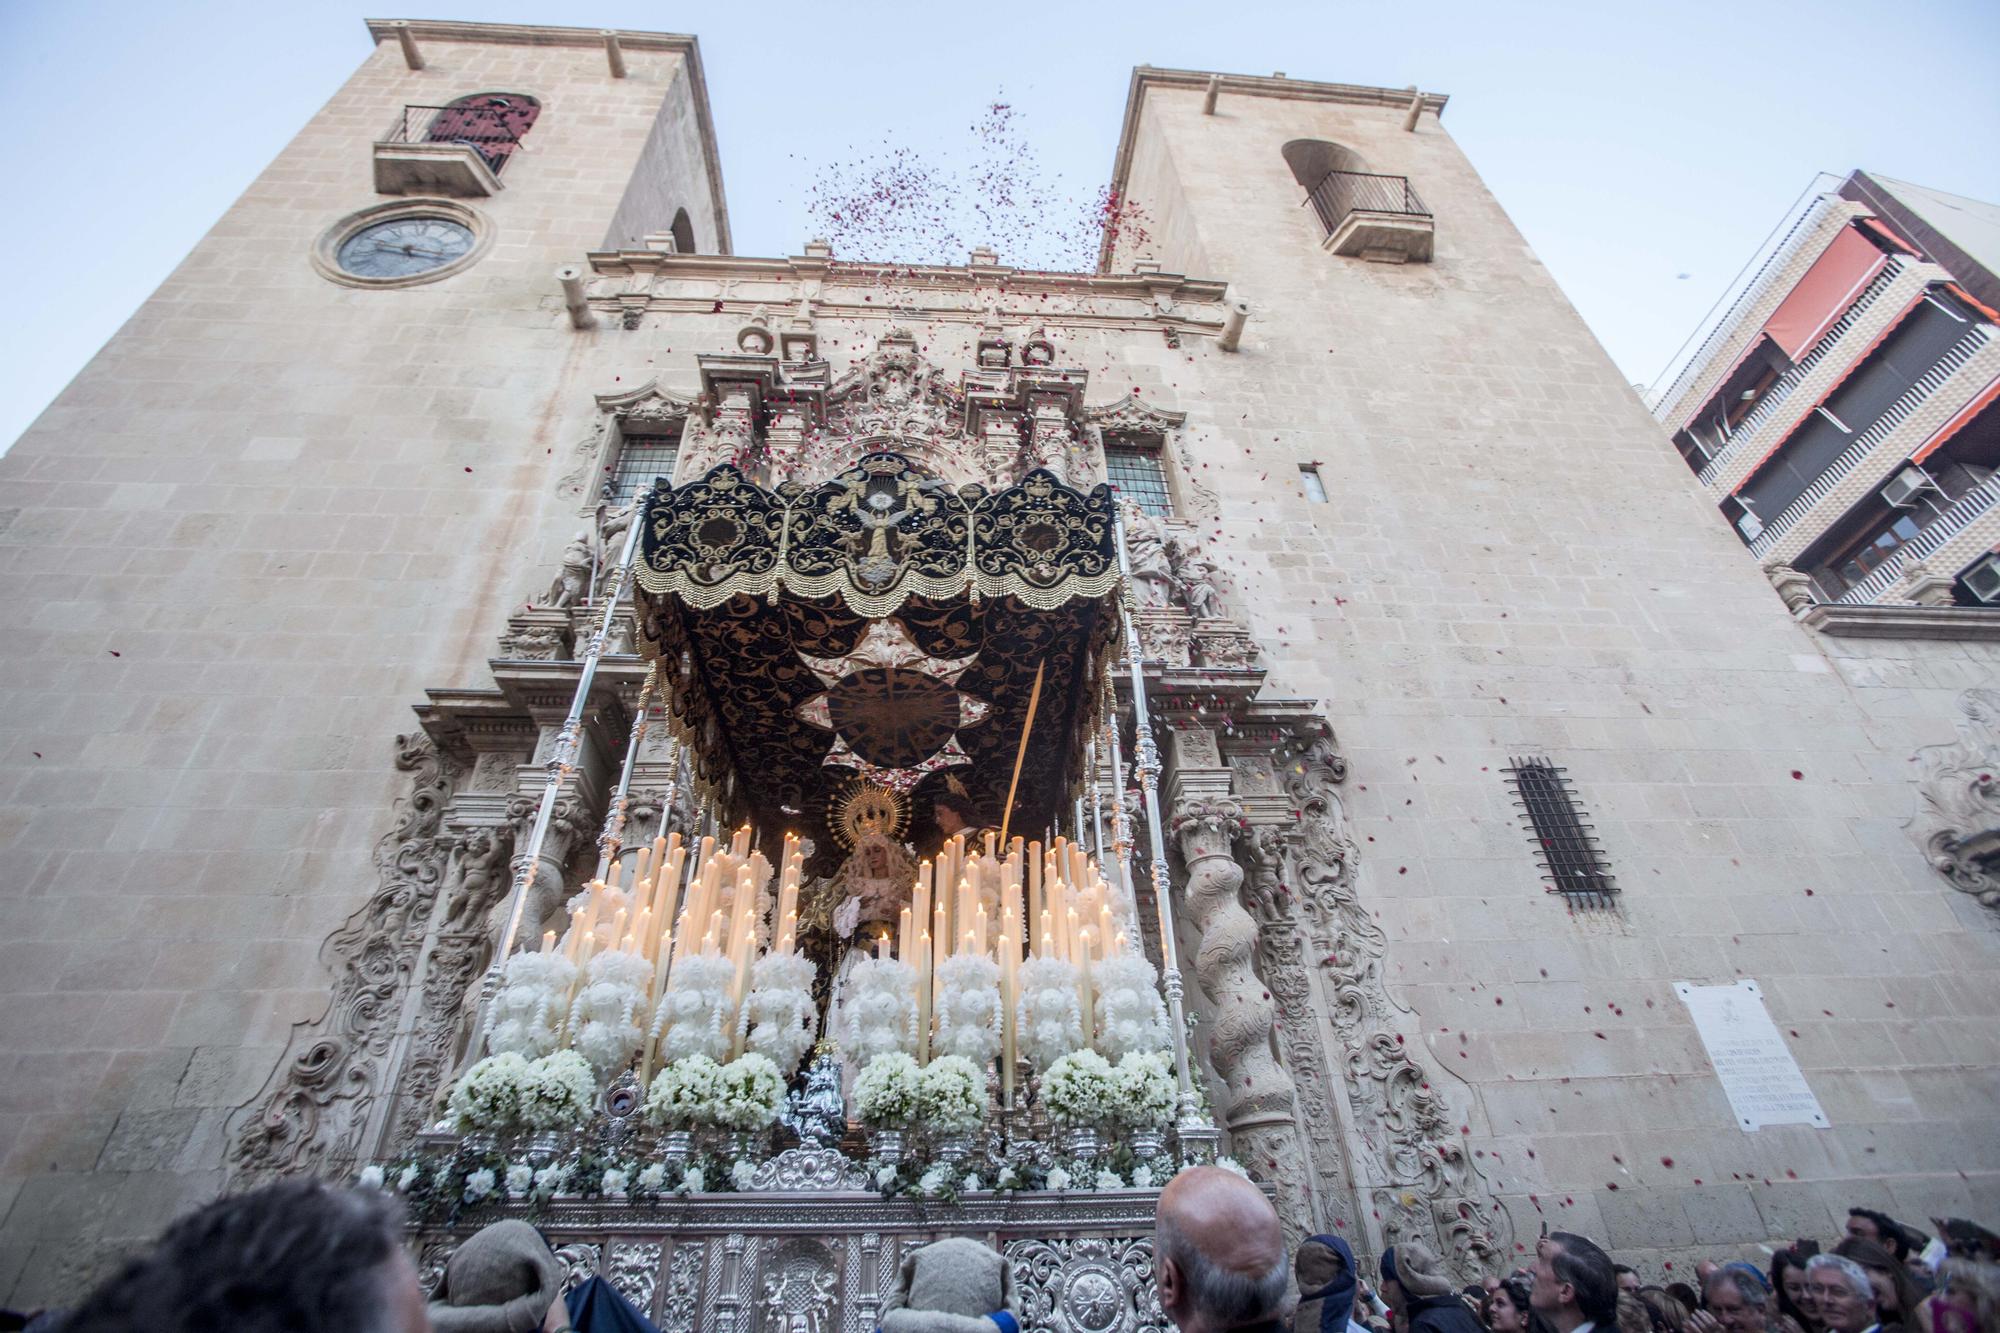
column 1092, row 1284
column 1422, row 1182
column 1958, row 824
column 314, row 1113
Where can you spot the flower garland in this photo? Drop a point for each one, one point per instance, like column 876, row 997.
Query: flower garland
column 878, row 1013
column 693, row 1015
column 1080, row 1090
column 1130, row 1014
column 605, row 1018
column 528, row 1011
column 968, row 1010
column 951, row 1094
column 888, row 1093
column 1050, row 1017
column 778, row 1014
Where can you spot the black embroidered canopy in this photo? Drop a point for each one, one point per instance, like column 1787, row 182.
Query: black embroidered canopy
column 882, row 625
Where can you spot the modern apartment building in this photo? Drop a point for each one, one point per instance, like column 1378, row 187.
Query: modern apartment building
column 1840, row 410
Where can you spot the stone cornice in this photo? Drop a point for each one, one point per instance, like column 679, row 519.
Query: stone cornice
column 534, row 34
column 1903, row 622
column 656, row 280
column 1146, row 77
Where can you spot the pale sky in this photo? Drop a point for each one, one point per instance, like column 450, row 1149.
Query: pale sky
column 1645, row 149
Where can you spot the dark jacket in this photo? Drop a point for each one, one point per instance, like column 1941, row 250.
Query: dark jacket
column 1442, row 1314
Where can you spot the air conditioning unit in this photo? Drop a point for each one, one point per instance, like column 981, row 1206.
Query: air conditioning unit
column 1983, row 578
column 1902, row 489
column 1750, row 526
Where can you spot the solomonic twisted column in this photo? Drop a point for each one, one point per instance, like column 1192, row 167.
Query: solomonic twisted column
column 1258, row 1096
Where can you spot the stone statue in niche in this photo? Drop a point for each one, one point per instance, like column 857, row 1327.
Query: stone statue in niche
column 1958, row 825
column 1197, row 578
column 1146, row 551
column 612, row 525
column 573, row 579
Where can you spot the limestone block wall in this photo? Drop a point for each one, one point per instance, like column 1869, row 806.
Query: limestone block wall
column 1513, row 561
column 235, row 551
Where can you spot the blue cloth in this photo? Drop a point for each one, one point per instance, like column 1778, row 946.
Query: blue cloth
column 1389, row 1264
column 1006, row 1321
column 596, row 1307
column 1738, row 1266
column 1336, row 1297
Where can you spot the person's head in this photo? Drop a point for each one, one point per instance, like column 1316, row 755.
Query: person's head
column 1689, row 1298
column 1633, row 1316
column 1884, row 1230
column 1788, row 1286
column 1505, row 1309
column 1738, row 1298
column 1324, row 1268
column 1411, row 1273
column 1628, row 1278
column 1218, row 1251
column 1893, row 1297
column 1670, row 1313
column 1968, row 1297
column 1574, row 1281
column 300, row 1256
column 953, row 813
column 1840, row 1289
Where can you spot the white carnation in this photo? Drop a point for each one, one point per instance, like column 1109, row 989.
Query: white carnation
column 1079, row 1090
column 479, row 1184
column 520, row 1179
column 1231, row 1164
column 695, row 1017
column 370, row 1178
column 968, row 1008
column 885, row 1176
column 653, row 1178
column 1107, row 1179
column 1142, row 1176
column 1130, row 1014
column 778, row 1014
column 693, row 1181
column 613, row 1182
column 970, row 1183
column 741, row 1172
column 887, row 1092
column 1050, row 1017
column 951, row 1094
column 878, row 1009
column 1058, row 1178
column 406, row 1179
column 932, row 1181
column 557, row 1092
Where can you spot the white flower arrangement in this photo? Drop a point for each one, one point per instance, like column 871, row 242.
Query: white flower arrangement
column 694, row 1016
column 1080, row 1090
column 1008, row 1179
column 968, row 1008
column 371, row 1178
column 693, row 1181
column 970, row 1183
column 1130, row 1014
column 932, row 1181
column 613, row 1182
column 888, row 1091
column 885, row 1176
column 1058, row 1179
column 557, row 1092
column 1050, row 1017
column 520, row 1179
column 682, row 1094
column 752, row 1093
column 653, row 1178
column 778, row 1014
column 878, row 1012
column 488, row 1096
column 551, row 1179
column 1142, row 1176
column 951, row 1094
column 479, row 1184
column 1107, row 1179
column 1146, row 1091
column 741, row 1172
column 407, row 1179
column 528, row 1011
column 606, row 1018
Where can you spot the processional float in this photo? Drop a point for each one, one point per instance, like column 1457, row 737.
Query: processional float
column 789, row 995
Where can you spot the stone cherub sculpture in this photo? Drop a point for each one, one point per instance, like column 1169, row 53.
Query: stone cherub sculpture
column 1197, row 578
column 481, row 884
column 572, row 581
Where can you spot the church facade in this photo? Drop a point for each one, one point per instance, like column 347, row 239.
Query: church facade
column 1484, row 756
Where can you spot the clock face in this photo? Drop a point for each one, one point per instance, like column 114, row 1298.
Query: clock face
column 403, row 246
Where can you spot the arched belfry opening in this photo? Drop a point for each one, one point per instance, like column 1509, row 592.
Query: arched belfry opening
column 683, row 232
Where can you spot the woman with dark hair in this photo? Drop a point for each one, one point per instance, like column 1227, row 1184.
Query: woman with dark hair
column 1788, row 1281
column 1506, row 1309
column 1895, row 1300
column 1669, row 1315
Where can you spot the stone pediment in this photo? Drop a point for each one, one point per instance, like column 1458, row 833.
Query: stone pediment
column 895, row 400
column 1133, row 413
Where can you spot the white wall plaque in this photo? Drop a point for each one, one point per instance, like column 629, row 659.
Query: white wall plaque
column 1757, row 1070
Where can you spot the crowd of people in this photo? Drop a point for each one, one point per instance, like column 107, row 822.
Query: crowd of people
column 306, row 1257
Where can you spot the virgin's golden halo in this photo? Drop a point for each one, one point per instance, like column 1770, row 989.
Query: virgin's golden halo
column 861, row 808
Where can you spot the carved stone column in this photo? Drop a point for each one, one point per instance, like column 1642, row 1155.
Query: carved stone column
column 784, row 439
column 545, row 895
column 1050, row 434
column 1258, row 1101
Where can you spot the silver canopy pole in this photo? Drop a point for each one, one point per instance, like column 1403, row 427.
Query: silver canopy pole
column 561, row 763
column 1147, row 766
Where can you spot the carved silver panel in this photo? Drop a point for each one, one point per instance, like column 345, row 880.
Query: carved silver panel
column 1090, row 1284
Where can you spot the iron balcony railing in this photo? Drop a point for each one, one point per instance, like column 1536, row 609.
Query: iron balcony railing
column 1957, row 516
column 1343, row 193
column 494, row 132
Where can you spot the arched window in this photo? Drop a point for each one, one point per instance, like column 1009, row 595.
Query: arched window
column 683, row 231
column 491, row 124
column 1312, row 159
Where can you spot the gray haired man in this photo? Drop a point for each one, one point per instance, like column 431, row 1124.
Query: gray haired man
column 1845, row 1296
column 1218, row 1254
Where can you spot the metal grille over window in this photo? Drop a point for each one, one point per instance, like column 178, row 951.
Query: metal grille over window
column 641, row 459
column 1568, row 848
column 1136, row 472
